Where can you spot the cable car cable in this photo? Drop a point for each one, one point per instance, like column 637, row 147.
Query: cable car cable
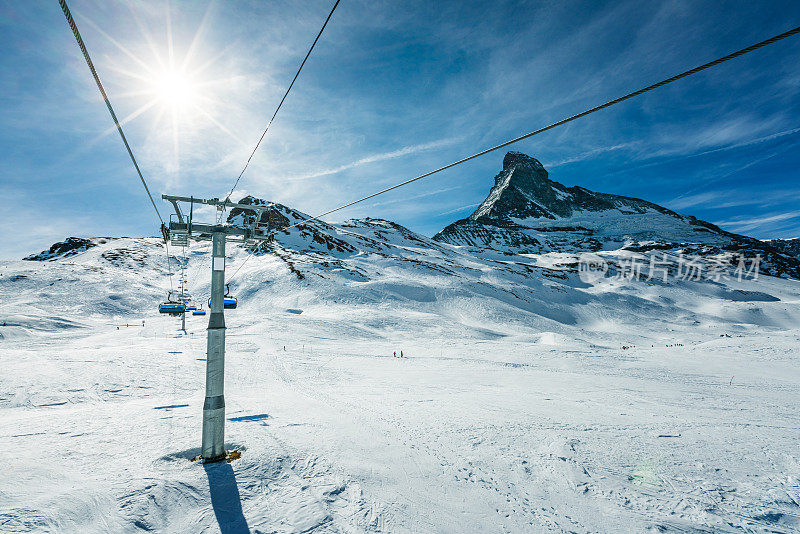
column 90, row 64
column 284, row 98
column 169, row 267
column 571, row 118
column 610, row 103
column 88, row 59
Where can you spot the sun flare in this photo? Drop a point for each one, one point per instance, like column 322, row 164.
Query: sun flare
column 176, row 91
column 180, row 88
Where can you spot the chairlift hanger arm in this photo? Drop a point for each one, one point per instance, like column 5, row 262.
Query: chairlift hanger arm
column 177, row 209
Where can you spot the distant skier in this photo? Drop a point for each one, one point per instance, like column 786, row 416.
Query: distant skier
column 401, row 353
column 394, row 354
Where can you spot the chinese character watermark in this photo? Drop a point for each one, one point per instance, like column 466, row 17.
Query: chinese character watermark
column 593, row 268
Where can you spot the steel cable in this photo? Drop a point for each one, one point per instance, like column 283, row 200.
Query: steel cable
column 564, row 121
column 571, row 118
column 228, row 196
column 88, row 59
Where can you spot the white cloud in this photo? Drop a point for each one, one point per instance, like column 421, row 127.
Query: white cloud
column 719, row 199
column 405, row 151
column 413, row 197
column 460, row 208
column 746, row 224
column 28, row 231
column 591, row 154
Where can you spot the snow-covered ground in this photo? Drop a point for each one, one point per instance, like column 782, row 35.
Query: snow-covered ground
column 515, row 409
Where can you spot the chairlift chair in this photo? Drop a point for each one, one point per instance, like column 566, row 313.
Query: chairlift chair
column 179, row 233
column 228, row 302
column 172, row 306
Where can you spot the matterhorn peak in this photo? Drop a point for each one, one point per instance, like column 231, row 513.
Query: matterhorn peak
column 518, row 190
column 518, row 159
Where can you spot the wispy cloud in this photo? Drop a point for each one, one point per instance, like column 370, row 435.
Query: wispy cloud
column 39, row 232
column 707, row 182
column 460, row 208
column 746, row 224
column 750, row 142
column 405, row 151
column 680, row 145
column 413, row 197
column 591, row 154
column 720, row 199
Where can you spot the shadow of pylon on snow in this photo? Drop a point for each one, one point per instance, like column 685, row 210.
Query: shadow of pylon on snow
column 225, row 498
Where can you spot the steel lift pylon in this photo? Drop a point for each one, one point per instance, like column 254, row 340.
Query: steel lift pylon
column 179, row 232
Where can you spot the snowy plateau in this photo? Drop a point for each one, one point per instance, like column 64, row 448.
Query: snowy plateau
column 530, row 398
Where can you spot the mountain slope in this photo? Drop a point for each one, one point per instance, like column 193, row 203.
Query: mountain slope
column 337, row 269
column 528, row 399
column 790, row 247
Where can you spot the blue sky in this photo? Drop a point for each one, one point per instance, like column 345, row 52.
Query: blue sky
column 392, row 90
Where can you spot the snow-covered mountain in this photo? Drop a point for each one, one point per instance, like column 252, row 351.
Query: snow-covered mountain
column 526, row 212
column 64, row 249
column 375, row 262
column 523, row 251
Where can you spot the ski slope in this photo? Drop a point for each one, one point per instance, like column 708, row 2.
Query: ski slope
column 515, row 409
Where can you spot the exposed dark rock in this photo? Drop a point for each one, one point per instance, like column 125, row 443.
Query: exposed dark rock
column 523, row 190
column 790, row 247
column 122, row 257
column 271, row 218
column 69, row 247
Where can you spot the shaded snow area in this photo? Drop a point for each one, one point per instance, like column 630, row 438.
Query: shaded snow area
column 527, row 400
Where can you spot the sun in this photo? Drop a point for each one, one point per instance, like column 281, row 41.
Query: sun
column 182, row 87
column 175, row 91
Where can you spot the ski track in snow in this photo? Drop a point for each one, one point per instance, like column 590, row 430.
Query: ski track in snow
column 511, row 412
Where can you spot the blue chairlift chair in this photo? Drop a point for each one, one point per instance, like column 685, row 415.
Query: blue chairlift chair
column 228, row 302
column 172, row 308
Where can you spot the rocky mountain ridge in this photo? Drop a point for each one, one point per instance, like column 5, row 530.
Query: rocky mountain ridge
column 527, row 213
